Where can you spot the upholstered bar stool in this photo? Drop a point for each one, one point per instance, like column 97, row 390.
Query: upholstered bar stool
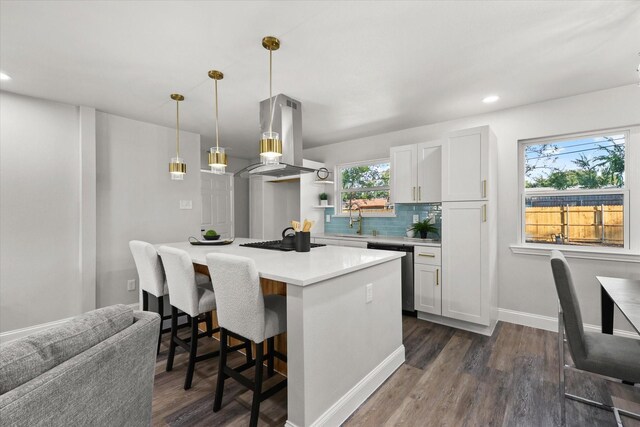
column 243, row 310
column 610, row 357
column 153, row 281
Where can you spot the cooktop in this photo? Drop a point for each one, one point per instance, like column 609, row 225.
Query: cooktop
column 275, row 245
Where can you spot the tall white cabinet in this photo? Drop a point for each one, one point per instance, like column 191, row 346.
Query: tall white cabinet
column 466, row 293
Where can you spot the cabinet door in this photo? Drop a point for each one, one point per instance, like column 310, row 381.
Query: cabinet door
column 465, row 262
column 465, row 165
column 428, row 286
column 403, row 174
column 429, row 156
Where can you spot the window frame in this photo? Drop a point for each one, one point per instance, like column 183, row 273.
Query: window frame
column 338, row 190
column 624, row 190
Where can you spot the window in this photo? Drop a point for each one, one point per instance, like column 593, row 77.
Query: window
column 364, row 185
column 574, row 190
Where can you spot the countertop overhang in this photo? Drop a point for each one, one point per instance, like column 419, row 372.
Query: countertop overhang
column 409, row 241
column 296, row 268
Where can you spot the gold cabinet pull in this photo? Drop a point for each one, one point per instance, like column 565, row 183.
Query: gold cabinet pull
column 484, row 188
column 437, row 276
column 419, row 193
column 484, row 213
column 428, row 255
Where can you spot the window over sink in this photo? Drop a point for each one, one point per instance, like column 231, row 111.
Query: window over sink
column 574, row 190
column 364, row 186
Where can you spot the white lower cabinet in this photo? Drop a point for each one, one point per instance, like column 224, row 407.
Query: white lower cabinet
column 428, row 296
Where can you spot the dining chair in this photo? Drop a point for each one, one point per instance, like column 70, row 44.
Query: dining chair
column 152, row 279
column 610, row 357
column 243, row 310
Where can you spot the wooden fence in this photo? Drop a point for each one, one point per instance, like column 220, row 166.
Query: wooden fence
column 586, row 225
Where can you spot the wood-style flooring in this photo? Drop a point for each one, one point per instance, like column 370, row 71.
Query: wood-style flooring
column 450, row 378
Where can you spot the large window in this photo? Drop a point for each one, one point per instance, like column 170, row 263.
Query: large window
column 575, row 191
column 364, row 185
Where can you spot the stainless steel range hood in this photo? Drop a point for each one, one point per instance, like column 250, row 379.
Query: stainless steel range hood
column 287, row 121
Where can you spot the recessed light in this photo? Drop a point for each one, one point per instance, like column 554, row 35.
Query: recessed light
column 4, row 76
column 489, row 99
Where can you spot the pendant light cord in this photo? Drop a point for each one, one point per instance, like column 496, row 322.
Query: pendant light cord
column 216, row 86
column 177, row 129
column 270, row 88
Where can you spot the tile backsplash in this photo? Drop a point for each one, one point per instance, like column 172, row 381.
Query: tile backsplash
column 386, row 226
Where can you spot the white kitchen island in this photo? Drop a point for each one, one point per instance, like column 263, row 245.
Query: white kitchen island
column 340, row 347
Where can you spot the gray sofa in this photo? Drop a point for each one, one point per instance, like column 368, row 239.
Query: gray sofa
column 95, row 370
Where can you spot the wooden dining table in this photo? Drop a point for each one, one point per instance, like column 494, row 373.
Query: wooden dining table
column 623, row 293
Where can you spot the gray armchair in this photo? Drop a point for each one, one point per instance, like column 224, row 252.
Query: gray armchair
column 612, row 357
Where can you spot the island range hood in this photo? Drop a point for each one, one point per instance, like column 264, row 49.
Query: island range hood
column 287, row 121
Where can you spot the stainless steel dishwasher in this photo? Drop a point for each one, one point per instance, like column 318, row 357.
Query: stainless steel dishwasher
column 408, row 304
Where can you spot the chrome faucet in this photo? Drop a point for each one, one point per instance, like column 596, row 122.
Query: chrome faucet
column 359, row 220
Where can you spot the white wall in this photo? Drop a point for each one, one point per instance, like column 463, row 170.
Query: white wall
column 136, row 199
column 43, row 237
column 525, row 281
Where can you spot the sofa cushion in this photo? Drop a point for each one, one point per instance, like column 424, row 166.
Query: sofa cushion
column 26, row 358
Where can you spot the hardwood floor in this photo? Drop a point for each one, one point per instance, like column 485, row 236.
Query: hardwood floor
column 450, row 378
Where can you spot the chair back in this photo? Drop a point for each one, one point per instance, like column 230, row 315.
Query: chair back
column 569, row 303
column 149, row 266
column 239, row 298
column 181, row 280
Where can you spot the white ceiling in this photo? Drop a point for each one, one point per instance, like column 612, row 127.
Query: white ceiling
column 359, row 68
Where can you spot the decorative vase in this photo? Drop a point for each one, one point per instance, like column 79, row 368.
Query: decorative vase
column 324, row 202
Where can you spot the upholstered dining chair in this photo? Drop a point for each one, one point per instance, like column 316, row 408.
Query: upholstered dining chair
column 152, row 278
column 611, row 357
column 243, row 310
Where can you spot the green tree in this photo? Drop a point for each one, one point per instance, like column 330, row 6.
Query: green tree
column 611, row 164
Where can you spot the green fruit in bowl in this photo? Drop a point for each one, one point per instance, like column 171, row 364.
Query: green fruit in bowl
column 211, row 233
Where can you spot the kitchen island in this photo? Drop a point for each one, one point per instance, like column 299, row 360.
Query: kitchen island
column 344, row 323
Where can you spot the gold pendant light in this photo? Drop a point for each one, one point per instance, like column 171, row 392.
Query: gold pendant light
column 177, row 167
column 270, row 144
column 217, row 156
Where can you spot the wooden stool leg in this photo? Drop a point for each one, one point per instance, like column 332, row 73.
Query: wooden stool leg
column 193, row 350
column 257, row 392
column 209, row 320
column 174, row 334
column 270, row 350
column 145, row 301
column 217, row 402
column 248, row 350
column 160, row 300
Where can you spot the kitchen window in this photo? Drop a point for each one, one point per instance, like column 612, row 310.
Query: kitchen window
column 364, row 185
column 574, row 190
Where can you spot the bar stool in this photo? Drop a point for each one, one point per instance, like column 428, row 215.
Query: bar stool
column 153, row 281
column 196, row 302
column 243, row 310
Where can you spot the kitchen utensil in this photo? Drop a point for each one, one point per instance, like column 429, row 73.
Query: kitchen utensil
column 303, row 241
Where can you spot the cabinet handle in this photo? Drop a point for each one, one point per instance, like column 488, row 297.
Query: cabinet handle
column 484, row 213
column 428, row 255
column 414, row 193
column 437, row 276
column 419, row 193
column 484, row 188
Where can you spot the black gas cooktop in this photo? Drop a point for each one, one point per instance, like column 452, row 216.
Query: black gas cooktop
column 275, row 245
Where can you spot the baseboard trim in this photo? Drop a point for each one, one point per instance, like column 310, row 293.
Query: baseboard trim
column 549, row 323
column 347, row 404
column 23, row 332
column 459, row 324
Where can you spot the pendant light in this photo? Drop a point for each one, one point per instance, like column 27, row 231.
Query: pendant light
column 217, row 156
column 177, row 167
column 270, row 144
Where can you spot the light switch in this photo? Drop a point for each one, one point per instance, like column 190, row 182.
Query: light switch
column 416, row 218
column 131, row 284
column 186, row 204
column 369, row 289
column 328, row 218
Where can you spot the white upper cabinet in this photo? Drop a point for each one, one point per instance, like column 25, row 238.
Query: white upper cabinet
column 465, row 165
column 430, row 172
column 416, row 173
column 404, row 174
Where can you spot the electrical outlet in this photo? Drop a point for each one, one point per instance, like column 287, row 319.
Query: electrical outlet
column 416, row 218
column 186, row 204
column 328, row 217
column 369, row 288
column 131, row 285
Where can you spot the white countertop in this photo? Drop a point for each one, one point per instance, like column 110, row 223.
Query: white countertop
column 296, row 268
column 379, row 239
